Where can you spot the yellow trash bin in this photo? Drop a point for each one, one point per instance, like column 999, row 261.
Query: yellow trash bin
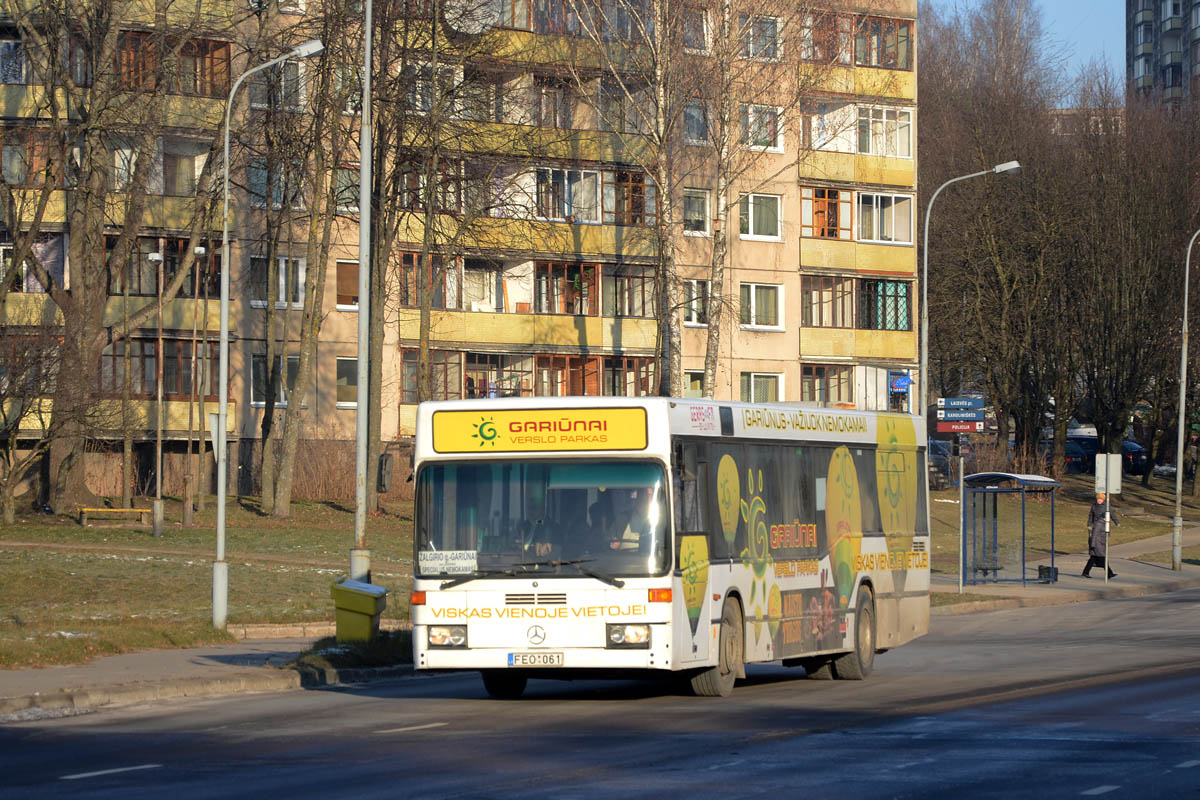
column 357, row 607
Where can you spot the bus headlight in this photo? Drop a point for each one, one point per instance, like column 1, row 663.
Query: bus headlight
column 628, row 636
column 447, row 636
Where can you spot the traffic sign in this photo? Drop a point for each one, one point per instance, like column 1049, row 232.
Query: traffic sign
column 959, row 427
column 960, row 414
column 960, row 402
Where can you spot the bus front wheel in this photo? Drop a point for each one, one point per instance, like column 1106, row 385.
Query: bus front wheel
column 857, row 664
column 717, row 681
column 504, row 685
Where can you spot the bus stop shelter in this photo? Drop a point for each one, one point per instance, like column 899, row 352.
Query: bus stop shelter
column 994, row 532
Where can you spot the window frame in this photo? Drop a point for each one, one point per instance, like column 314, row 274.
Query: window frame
column 300, row 263
column 828, row 296
column 894, row 293
column 567, row 201
column 287, row 176
column 747, row 218
column 274, row 82
column 338, row 402
column 705, row 30
column 871, row 46
column 706, row 217
column 689, row 110
column 749, row 113
column 816, row 203
column 753, row 313
column 811, row 383
column 338, row 304
column 696, row 304
column 877, row 217
column 889, row 143
column 287, row 376
column 747, row 380
column 747, row 23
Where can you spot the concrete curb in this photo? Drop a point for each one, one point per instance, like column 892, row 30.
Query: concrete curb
column 1068, row 596
column 269, row 679
column 303, row 630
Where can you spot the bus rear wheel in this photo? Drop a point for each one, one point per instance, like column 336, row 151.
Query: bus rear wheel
column 504, row 685
column 717, row 681
column 858, row 663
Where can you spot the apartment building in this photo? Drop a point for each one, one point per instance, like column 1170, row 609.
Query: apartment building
column 547, row 279
column 1162, row 47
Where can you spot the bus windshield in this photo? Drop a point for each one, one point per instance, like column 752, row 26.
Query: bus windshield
column 518, row 518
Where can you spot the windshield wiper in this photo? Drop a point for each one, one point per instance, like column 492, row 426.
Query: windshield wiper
column 577, row 563
column 479, row 573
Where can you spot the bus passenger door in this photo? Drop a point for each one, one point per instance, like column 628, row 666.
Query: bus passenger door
column 693, row 616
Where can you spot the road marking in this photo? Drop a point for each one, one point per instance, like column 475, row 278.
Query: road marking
column 414, row 727
column 1187, row 765
column 106, row 772
column 1100, row 790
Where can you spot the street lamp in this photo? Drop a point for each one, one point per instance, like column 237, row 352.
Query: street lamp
column 1007, row 168
column 360, row 556
column 220, row 567
column 157, row 260
column 1177, row 521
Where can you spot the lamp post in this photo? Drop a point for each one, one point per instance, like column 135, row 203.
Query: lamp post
column 1007, row 168
column 157, row 260
column 220, row 566
column 360, row 556
column 1177, row 521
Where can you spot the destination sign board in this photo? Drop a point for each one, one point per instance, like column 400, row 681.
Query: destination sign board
column 960, row 402
column 959, row 427
column 960, row 414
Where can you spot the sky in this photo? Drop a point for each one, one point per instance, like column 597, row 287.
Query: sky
column 1086, row 29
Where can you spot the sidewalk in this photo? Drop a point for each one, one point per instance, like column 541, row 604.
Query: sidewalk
column 252, row 665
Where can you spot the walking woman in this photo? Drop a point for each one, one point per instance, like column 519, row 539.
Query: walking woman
column 1098, row 536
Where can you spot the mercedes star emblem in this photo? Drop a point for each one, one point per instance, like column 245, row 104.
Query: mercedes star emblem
column 536, row 634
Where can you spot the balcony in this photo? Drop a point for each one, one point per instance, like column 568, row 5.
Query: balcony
column 1173, row 93
column 1173, row 58
column 549, row 332
column 1144, row 49
column 1144, row 17
column 1171, row 24
column 1144, row 82
column 851, row 343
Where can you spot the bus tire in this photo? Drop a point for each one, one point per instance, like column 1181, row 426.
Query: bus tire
column 504, row 685
column 857, row 664
column 717, row 681
column 818, row 669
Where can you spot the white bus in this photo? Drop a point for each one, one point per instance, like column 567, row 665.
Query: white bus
column 583, row 536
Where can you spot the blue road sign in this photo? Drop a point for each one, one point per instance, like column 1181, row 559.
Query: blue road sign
column 960, row 414
column 960, row 402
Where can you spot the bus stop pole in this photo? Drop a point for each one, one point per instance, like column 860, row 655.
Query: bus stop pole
column 962, row 526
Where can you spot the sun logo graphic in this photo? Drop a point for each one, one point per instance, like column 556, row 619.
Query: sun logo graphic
column 485, row 432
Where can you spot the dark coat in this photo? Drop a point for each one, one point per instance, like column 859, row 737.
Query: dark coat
column 1097, row 536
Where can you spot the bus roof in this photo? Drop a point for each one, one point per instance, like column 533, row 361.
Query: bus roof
column 631, row 425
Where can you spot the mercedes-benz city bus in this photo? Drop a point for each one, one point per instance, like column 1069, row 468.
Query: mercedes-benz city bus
column 621, row 537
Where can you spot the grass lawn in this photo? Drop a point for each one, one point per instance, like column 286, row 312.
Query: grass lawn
column 69, row 593
column 1191, row 555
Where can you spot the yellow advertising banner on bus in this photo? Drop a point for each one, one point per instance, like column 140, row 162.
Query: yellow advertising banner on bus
column 528, row 430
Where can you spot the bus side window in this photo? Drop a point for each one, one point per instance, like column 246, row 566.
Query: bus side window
column 690, row 478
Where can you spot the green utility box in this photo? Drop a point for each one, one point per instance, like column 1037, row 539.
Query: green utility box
column 357, row 608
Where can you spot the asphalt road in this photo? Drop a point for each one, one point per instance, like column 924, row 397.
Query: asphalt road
column 1094, row 699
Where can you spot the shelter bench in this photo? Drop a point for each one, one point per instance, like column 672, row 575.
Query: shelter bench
column 143, row 513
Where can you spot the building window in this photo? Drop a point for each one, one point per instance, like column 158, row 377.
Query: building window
column 280, row 87
column 695, row 301
column 827, row 301
column 137, row 60
column 630, row 198
column 560, row 288
column 12, row 61
column 496, row 375
column 824, row 213
column 568, row 194
column 203, row 68
column 883, row 43
column 180, row 171
column 551, row 102
column 884, row 306
column 695, row 122
column 760, row 303
column 760, row 127
column 289, row 289
column 695, row 212
column 885, row 218
column 347, row 285
column 760, row 217
column 447, row 192
column 825, row 383
column 143, row 369
column 441, row 280
column 629, row 291
column 826, row 38
column 694, row 30
column 347, row 383
column 760, row 387
column 445, row 368
column 760, row 37
column 629, row 377
column 693, row 383
column 260, row 380
column 283, row 183
column 885, row 131
column 141, row 271
column 345, row 188
column 26, row 157
column 624, row 107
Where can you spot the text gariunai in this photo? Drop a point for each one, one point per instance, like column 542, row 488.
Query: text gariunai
column 559, row 431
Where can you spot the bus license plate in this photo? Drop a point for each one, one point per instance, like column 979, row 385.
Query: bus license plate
column 535, row 659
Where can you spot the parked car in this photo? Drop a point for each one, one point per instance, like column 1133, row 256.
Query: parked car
column 1134, row 458
column 1078, row 458
column 941, row 455
column 1087, row 446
